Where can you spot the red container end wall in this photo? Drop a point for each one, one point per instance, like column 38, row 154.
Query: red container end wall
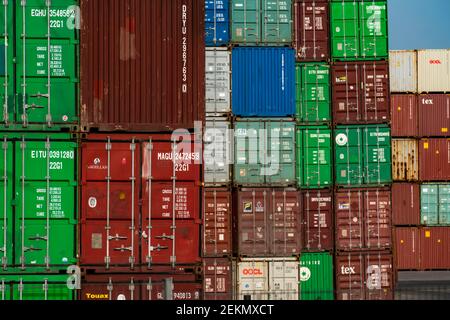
column 142, row 65
column 404, row 111
column 311, row 30
column 318, row 222
column 434, row 115
column 361, row 92
column 407, row 249
column 217, row 279
column 406, row 204
column 434, row 160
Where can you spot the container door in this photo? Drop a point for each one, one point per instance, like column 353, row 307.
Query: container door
column 318, row 221
column 378, row 225
column 155, row 289
column 6, row 63
column 40, row 288
column 350, row 220
column 407, row 249
column 349, row 156
column 299, row 153
column 379, row 277
column 377, row 155
column 350, row 277
column 218, row 81
column 253, row 278
column 216, row 22
column 276, row 21
column 6, row 196
column 373, row 30
column 444, row 205
column 429, row 204
column 246, row 21
column 345, row 30
column 316, row 276
column 112, row 287
column 217, row 152
column 217, row 280
column 347, row 93
column 283, row 280
column 317, row 158
column 375, row 92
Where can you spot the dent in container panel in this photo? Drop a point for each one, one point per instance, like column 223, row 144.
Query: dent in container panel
column 434, row 115
column 434, row 162
column 217, row 279
column 405, row 204
column 405, row 160
column 405, row 115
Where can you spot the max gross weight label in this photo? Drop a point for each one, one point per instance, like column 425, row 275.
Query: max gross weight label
column 226, row 310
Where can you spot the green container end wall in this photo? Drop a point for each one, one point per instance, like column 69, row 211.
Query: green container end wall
column 316, row 276
column 435, row 204
column 35, row 287
column 359, row 30
column 260, row 158
column 313, row 101
column 314, row 157
column 30, row 197
column 363, row 155
column 261, row 22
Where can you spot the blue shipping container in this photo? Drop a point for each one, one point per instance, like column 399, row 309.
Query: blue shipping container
column 217, row 22
column 263, row 82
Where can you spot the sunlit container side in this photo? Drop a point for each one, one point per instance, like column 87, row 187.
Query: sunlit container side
column 217, row 22
column 217, row 279
column 218, row 81
column 405, row 204
column 316, row 276
column 433, row 71
column 434, row 115
column 405, row 159
column 403, row 71
column 407, row 249
column 405, row 115
column 435, row 204
column 435, row 248
column 434, row 160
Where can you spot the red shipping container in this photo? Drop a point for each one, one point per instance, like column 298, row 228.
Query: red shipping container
column 311, row 30
column 363, row 219
column 318, row 220
column 435, row 248
column 267, row 222
column 217, row 279
column 434, row 115
column 405, row 118
column 406, row 204
column 217, row 227
column 361, row 92
column 142, row 64
column 407, row 249
column 434, row 160
column 364, row 276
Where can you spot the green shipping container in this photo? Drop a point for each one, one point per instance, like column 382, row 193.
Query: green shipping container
column 35, row 287
column 6, row 62
column 314, row 157
column 40, row 197
column 435, row 204
column 261, row 22
column 363, row 155
column 359, row 30
column 313, row 93
column 316, row 276
column 264, row 152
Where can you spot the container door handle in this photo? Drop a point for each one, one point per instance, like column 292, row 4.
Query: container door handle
column 165, row 237
column 117, row 238
column 123, row 249
column 159, row 248
column 31, row 249
column 38, row 238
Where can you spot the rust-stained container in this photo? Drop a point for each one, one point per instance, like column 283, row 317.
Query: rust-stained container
column 364, row 276
column 140, row 287
column 217, row 227
column 434, row 160
column 404, row 111
column 217, row 279
column 361, row 92
column 142, row 64
column 311, row 30
column 405, row 204
column 267, row 222
column 318, row 222
column 405, row 159
column 435, row 248
column 363, row 219
column 407, row 249
column 434, row 115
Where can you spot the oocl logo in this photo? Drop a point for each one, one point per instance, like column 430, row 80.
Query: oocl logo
column 252, row 272
column 435, row 62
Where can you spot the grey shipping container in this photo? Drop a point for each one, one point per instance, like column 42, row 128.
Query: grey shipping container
column 218, row 81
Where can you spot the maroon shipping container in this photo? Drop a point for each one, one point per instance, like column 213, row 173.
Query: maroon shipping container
column 217, row 279
column 364, row 276
column 434, row 115
column 405, row 204
column 139, row 287
column 267, row 222
column 404, row 111
column 360, row 92
column 311, row 30
column 217, row 227
column 363, row 219
column 407, row 249
column 142, row 64
column 434, row 160
column 318, row 220
column 435, row 248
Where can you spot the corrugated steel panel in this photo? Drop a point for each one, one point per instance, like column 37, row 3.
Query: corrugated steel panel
column 435, row 204
column 405, row 159
column 263, row 82
column 435, row 248
column 434, row 162
column 405, row 117
column 406, row 204
column 142, row 64
column 403, row 71
column 217, row 22
column 217, row 279
column 407, row 249
column 218, row 81
column 316, row 276
column 434, row 115
column 433, row 71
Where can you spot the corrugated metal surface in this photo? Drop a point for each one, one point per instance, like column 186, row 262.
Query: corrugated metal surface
column 434, row 162
column 434, row 115
column 403, row 70
column 217, row 279
column 435, row 204
column 360, row 92
column 405, row 117
column 217, row 22
column 311, row 30
column 405, row 204
column 407, row 249
column 142, row 64
column 433, row 71
column 435, row 245
column 316, row 276
column 263, row 82
column 405, row 159
column 218, row 81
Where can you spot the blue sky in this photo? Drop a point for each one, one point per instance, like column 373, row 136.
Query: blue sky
column 419, row 24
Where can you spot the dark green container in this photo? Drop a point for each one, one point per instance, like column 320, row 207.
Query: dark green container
column 363, row 155
column 435, row 204
column 6, row 63
column 314, row 157
column 313, row 93
column 316, row 276
column 359, row 30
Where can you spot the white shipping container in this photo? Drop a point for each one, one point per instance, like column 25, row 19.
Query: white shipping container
column 218, row 81
column 403, row 71
column 434, row 71
column 268, row 279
